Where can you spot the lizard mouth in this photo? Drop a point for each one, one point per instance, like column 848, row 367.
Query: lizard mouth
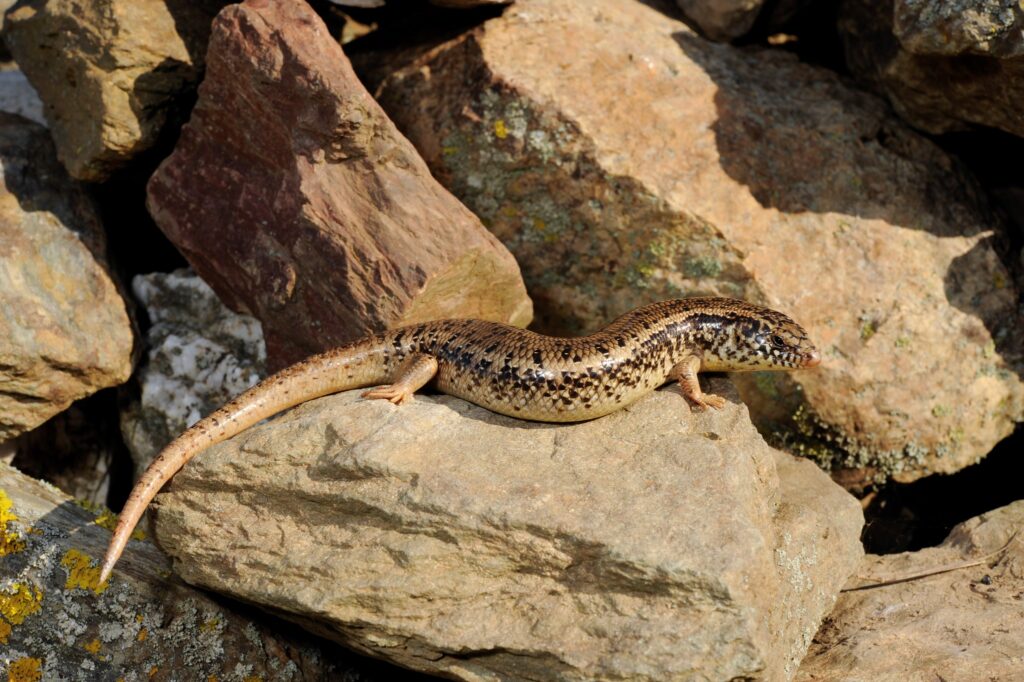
column 812, row 359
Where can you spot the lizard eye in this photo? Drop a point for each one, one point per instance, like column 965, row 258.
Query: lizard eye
column 777, row 341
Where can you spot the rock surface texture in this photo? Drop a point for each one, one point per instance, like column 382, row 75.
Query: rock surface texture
column 634, row 161
column 652, row 544
column 111, row 74
column 295, row 197
column 722, row 19
column 64, row 330
column 199, row 355
column 17, row 96
column 58, row 623
column 964, row 624
column 945, row 66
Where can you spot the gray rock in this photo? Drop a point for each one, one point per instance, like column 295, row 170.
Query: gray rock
column 722, row 19
column 965, row 624
column 17, row 96
column 652, row 544
column 64, row 329
column 58, row 623
column 199, row 355
column 942, row 27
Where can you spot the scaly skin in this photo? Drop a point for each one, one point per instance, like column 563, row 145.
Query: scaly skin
column 510, row 371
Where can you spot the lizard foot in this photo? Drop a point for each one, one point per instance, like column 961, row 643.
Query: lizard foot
column 707, row 400
column 395, row 394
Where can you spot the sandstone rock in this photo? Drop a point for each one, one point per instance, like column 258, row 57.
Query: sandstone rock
column 943, row 68
column 112, row 74
column 17, row 96
column 64, row 330
column 964, row 624
column 623, row 159
column 654, row 543
column 199, row 355
column 58, row 622
column 294, row 196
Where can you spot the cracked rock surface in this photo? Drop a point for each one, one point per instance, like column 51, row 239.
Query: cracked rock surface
column 651, row 544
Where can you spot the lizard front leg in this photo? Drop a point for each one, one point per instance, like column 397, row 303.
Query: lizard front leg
column 686, row 374
column 413, row 375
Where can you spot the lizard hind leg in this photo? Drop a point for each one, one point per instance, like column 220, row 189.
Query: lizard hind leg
column 413, row 375
column 686, row 374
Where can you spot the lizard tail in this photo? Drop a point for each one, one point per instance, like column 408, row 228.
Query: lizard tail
column 354, row 366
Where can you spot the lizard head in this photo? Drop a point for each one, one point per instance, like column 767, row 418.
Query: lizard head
column 760, row 338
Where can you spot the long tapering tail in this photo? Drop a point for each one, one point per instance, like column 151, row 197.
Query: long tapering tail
column 360, row 364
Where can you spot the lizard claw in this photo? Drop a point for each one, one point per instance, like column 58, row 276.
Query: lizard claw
column 707, row 400
column 391, row 393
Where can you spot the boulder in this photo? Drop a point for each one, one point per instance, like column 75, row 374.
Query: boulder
column 295, row 197
column 58, row 623
column 64, row 329
column 722, row 19
column 623, row 159
column 199, row 355
column 961, row 624
column 112, row 74
column 943, row 65
column 651, row 544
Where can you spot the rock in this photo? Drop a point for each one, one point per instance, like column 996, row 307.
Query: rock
column 469, row 4
column 294, row 196
column 722, row 19
column 966, row 622
column 64, row 330
column 17, row 96
column 942, row 67
column 199, row 355
column 112, row 75
column 58, row 622
column 645, row 545
column 625, row 160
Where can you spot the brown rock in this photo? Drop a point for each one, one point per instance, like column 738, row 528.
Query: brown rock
column 944, row 66
column 295, row 197
column 111, row 74
column 964, row 624
column 652, row 544
column 623, row 159
column 58, row 622
column 722, row 19
column 64, row 330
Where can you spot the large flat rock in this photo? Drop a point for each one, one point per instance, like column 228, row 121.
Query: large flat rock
column 296, row 198
column 111, row 74
column 624, row 159
column 965, row 624
column 64, row 329
column 652, row 544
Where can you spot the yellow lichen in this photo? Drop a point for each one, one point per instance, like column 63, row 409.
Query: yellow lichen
column 81, row 573
column 209, row 625
column 5, row 631
column 108, row 519
column 19, row 602
column 500, row 129
column 211, row 678
column 143, row 633
column 93, row 647
column 154, row 670
column 10, row 538
column 25, row 670
column 252, row 678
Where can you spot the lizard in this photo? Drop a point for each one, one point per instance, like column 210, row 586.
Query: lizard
column 507, row 370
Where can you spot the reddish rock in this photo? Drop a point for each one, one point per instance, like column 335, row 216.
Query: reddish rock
column 295, row 197
column 624, row 159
